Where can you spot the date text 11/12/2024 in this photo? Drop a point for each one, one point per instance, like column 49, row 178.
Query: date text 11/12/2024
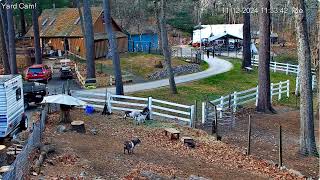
column 253, row 10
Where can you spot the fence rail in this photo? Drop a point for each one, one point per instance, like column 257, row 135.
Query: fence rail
column 80, row 78
column 238, row 98
column 284, row 67
column 288, row 68
column 157, row 107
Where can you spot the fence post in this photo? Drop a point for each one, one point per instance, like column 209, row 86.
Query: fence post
column 288, row 88
column 287, row 72
column 203, row 111
column 235, row 101
column 109, row 102
column 313, row 82
column 257, row 95
column 191, row 115
column 297, row 86
column 271, row 91
column 221, row 106
column 275, row 67
column 280, row 91
column 150, row 106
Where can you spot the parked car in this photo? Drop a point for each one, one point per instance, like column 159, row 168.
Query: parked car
column 12, row 114
column 39, row 73
column 33, row 92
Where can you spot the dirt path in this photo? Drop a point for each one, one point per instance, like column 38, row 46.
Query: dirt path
column 101, row 155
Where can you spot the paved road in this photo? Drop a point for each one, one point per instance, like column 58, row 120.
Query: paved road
column 216, row 66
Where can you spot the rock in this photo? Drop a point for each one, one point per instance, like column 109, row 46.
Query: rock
column 94, row 131
column 178, row 70
column 296, row 173
column 83, row 173
column 152, row 176
column 193, row 177
column 34, row 174
column 61, row 129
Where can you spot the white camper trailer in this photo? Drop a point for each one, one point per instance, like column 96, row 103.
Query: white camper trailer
column 11, row 104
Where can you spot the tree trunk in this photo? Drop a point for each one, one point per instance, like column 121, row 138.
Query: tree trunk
column 4, row 21
column 11, row 40
column 246, row 62
column 22, row 20
column 37, row 48
column 166, row 48
column 3, row 50
column 264, row 95
column 307, row 137
column 156, row 10
column 114, row 48
column 80, row 16
column 89, row 40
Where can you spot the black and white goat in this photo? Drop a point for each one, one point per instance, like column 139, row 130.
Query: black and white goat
column 130, row 145
column 138, row 116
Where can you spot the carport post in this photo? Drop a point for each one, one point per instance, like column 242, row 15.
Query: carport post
column 150, row 106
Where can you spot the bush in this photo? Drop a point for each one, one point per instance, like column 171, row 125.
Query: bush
column 285, row 58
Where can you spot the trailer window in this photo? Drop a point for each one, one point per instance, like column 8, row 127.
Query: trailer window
column 18, row 94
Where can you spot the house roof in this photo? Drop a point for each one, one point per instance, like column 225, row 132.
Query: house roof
column 223, row 36
column 64, row 22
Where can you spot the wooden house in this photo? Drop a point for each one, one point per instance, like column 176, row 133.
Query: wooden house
column 60, row 29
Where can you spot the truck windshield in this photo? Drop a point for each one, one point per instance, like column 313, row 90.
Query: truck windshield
column 35, row 70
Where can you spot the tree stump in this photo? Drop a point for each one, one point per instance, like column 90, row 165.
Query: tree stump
column 78, row 126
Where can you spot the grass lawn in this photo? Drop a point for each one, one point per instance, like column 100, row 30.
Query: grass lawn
column 213, row 87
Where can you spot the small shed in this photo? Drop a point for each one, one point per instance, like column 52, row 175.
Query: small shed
column 60, row 29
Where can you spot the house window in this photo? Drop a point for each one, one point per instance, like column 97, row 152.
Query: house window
column 18, row 94
column 52, row 21
column 77, row 21
column 44, row 22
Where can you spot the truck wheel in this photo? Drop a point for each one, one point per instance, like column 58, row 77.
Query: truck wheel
column 26, row 105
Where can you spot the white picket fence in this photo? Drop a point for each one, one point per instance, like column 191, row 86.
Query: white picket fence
column 157, row 107
column 238, row 98
column 283, row 67
column 287, row 68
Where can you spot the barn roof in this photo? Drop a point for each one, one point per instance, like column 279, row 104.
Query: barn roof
column 63, row 22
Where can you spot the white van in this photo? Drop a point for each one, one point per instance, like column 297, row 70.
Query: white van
column 11, row 104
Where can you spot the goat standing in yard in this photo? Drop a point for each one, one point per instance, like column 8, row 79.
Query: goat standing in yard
column 130, row 145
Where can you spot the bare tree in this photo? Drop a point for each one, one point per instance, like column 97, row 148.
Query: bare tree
column 89, row 39
column 166, row 47
column 246, row 62
column 4, row 22
column 3, row 49
column 22, row 20
column 11, row 40
column 264, row 95
column 36, row 36
column 307, row 137
column 77, row 4
column 156, row 10
column 113, row 47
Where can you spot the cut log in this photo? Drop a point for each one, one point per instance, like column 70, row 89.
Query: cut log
column 44, row 151
column 4, row 169
column 78, row 126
